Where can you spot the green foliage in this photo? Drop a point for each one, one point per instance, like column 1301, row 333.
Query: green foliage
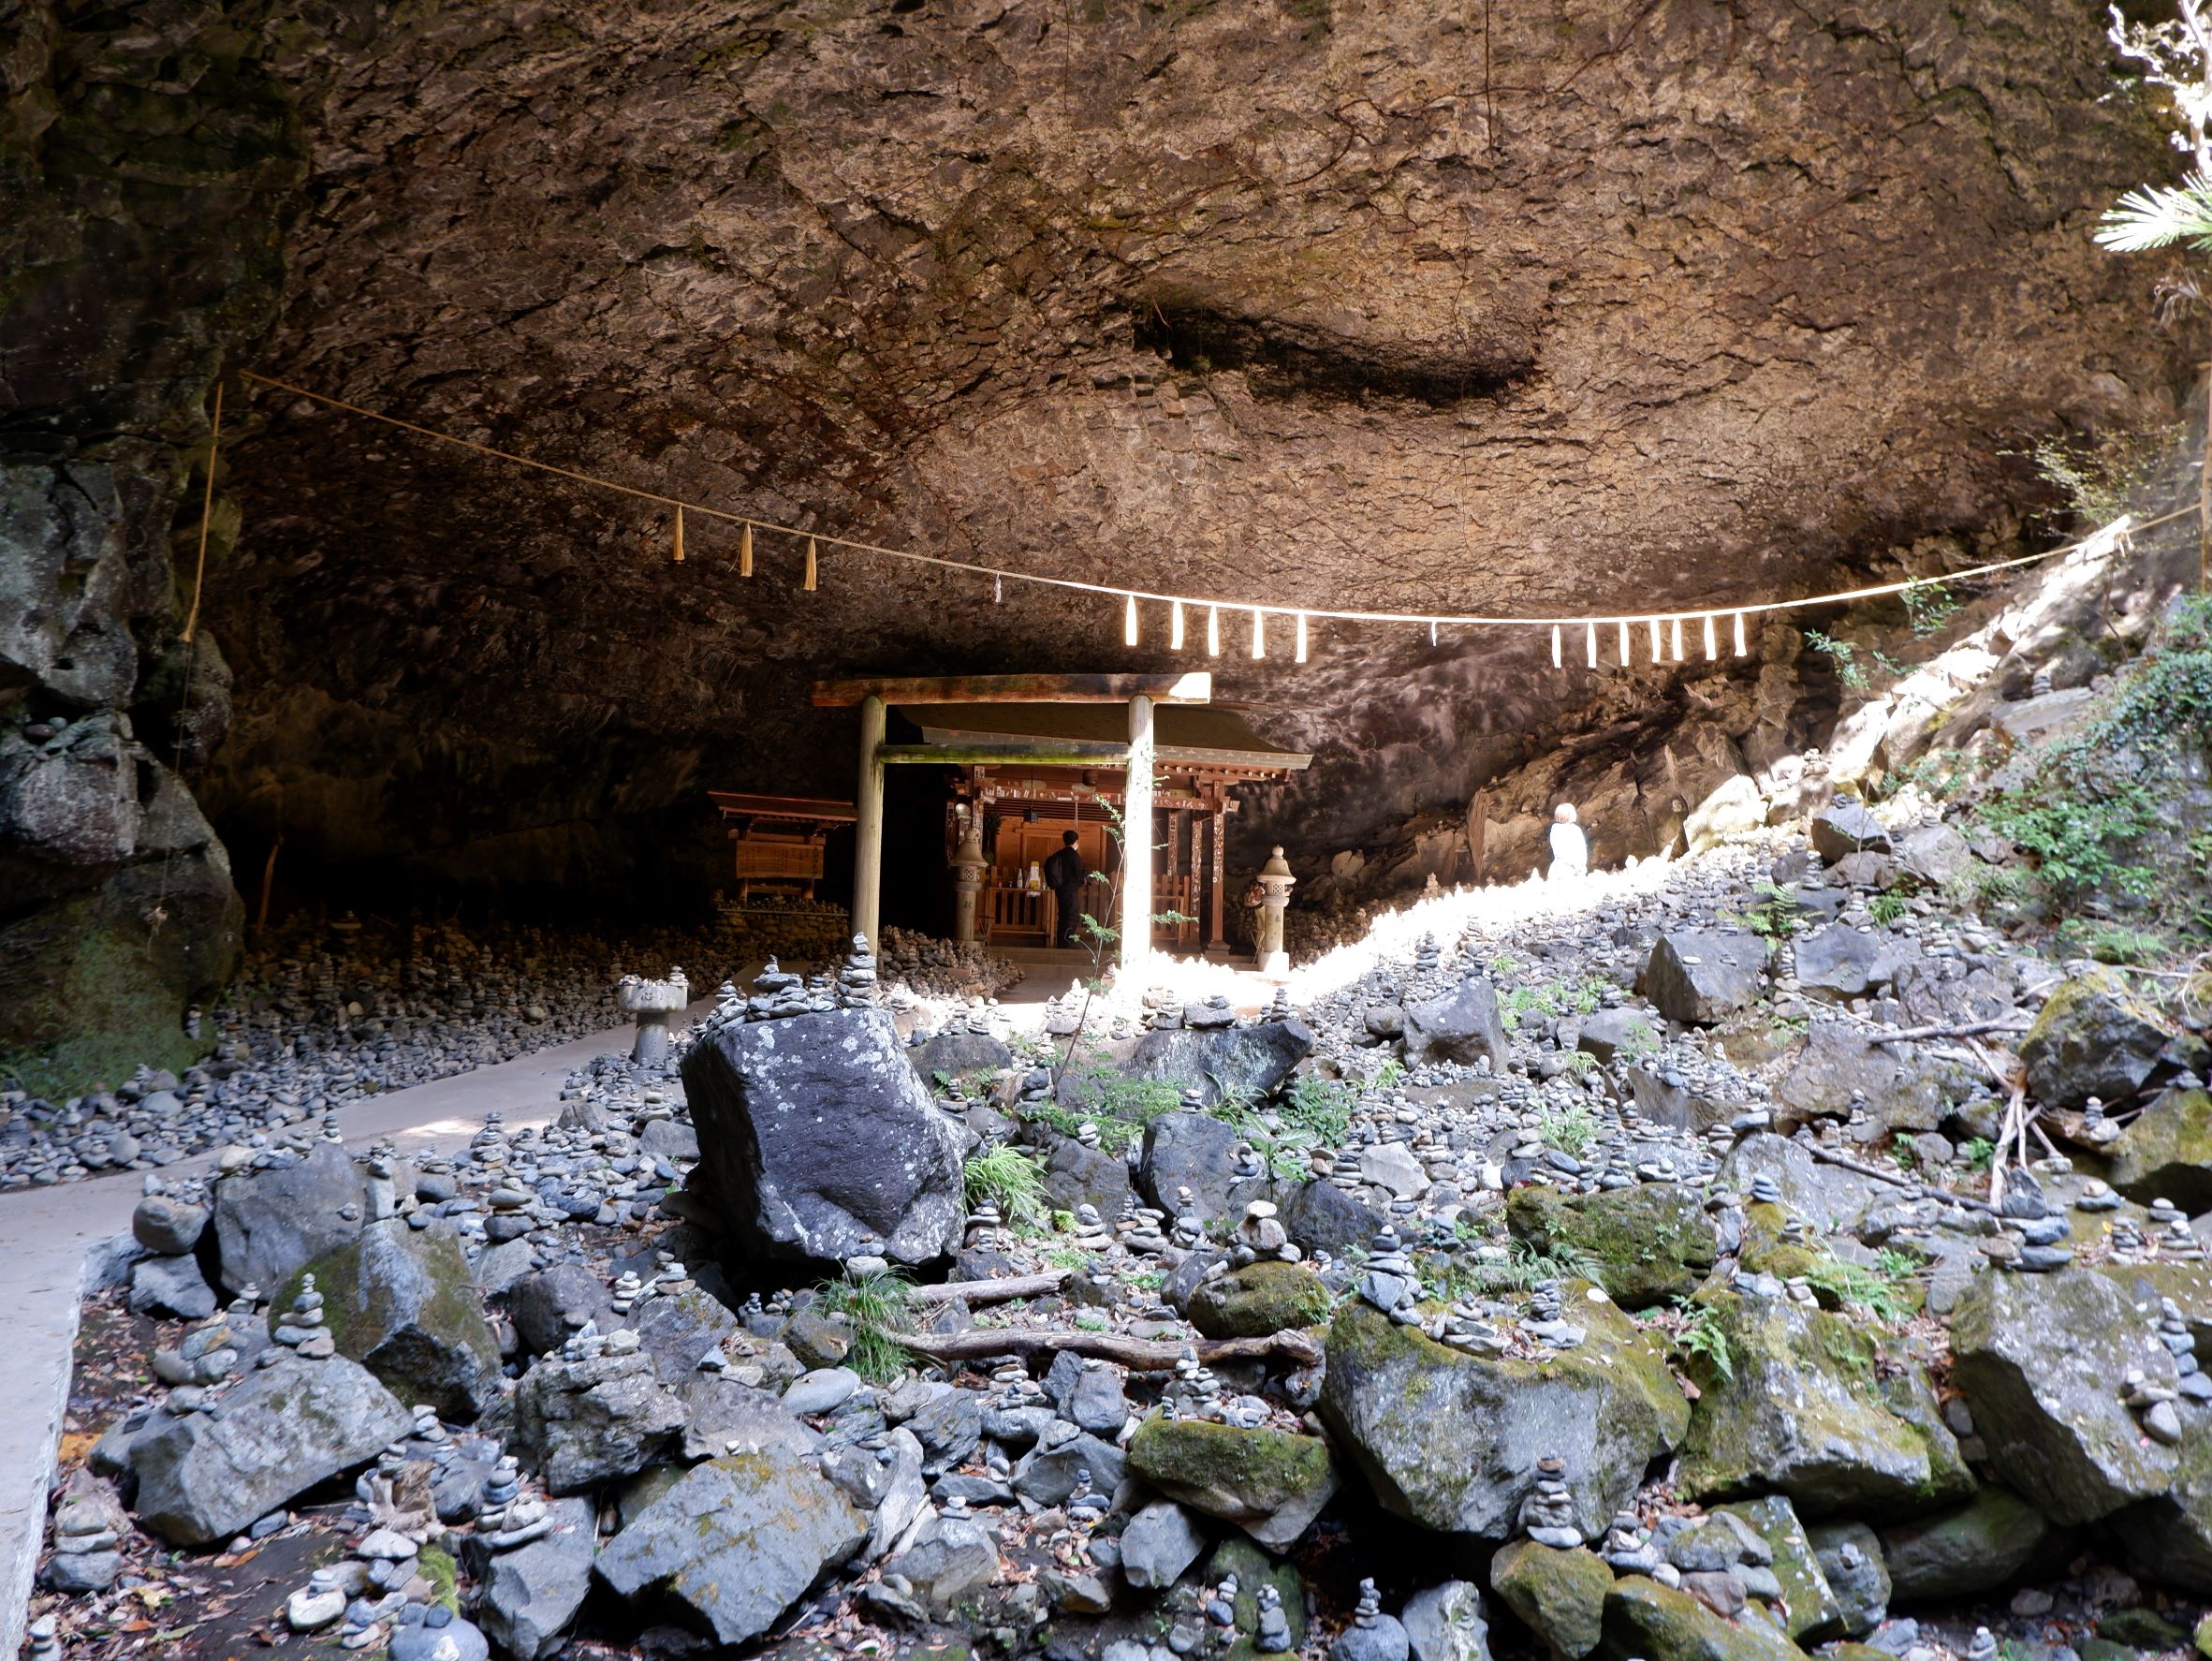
column 875, row 1304
column 1122, row 1106
column 1321, row 1106
column 1842, row 655
column 1387, row 1075
column 2116, row 943
column 1978, row 1152
column 1581, row 1063
column 1521, row 1270
column 1283, row 1146
column 1777, row 915
column 1570, row 1129
column 2159, row 216
column 1886, row 908
column 1928, row 604
column 1010, row 1179
column 1639, row 1042
column 1590, row 995
column 1894, row 1264
column 1701, row 1336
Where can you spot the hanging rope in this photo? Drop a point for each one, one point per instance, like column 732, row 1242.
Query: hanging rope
column 2099, row 543
column 206, row 509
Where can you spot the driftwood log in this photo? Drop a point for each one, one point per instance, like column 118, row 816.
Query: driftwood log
column 1136, row 1354
column 973, row 1292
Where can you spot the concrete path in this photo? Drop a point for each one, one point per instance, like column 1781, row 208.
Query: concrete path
column 56, row 1244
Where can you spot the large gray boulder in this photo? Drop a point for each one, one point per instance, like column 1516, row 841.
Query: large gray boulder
column 530, row 1594
column 2092, row 1038
column 1160, row 1542
column 1844, row 828
column 1462, row 1026
column 1322, row 1217
column 1077, row 1176
column 271, row 1223
column 2169, row 1539
column 1269, row 1483
column 2039, row 1359
column 1840, row 1068
column 1241, row 1061
column 736, row 1542
column 1702, row 978
column 1850, row 1562
column 1447, row 1622
column 1837, row 962
column 400, row 1301
column 1451, row 1441
column 548, row 1304
column 1971, row 1549
column 1193, row 1150
column 818, row 1141
column 581, row 1423
column 203, row 1477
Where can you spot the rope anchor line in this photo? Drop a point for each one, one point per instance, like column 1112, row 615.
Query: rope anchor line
column 1665, row 628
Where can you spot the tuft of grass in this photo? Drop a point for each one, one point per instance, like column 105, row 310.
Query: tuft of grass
column 1849, row 1283
column 1570, row 1129
column 1523, row 1270
column 875, row 1304
column 1321, row 1106
column 1010, row 1179
column 1886, row 908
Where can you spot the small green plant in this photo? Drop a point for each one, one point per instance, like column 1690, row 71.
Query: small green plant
column 1849, row 1283
column 1702, row 1337
column 1571, row 1129
column 1978, row 1152
column 1842, row 655
column 1389, row 1074
column 1066, row 1257
column 2116, row 943
column 1590, row 995
column 1893, row 1264
column 1321, row 1106
column 1777, row 915
column 1010, row 1179
column 876, row 1305
column 1581, row 1063
column 1928, row 604
column 1521, row 1270
column 1886, row 908
column 1639, row 1042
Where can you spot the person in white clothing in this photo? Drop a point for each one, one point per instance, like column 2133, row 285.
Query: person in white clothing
column 1570, row 848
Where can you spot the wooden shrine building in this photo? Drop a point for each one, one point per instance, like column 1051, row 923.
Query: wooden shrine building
column 1036, row 756
column 778, row 840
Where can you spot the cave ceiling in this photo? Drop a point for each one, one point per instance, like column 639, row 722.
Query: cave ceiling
column 1409, row 305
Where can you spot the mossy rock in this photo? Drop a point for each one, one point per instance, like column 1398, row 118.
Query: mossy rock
column 1978, row 1547
column 1450, row 1441
column 2092, row 1038
column 1646, row 1244
column 2166, row 1153
column 400, row 1301
column 1646, row 1619
column 1258, row 1300
column 2141, row 1629
column 2169, row 1539
column 1269, row 1483
column 1560, row 1595
column 1804, row 1410
column 1255, row 1568
column 1765, row 1251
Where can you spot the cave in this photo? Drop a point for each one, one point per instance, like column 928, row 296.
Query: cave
column 446, row 452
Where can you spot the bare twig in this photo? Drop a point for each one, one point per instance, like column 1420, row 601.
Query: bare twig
column 1914, row 1034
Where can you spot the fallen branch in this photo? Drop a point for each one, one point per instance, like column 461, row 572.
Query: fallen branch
column 1136, row 1354
column 1914, row 1034
column 1896, row 1177
column 973, row 1292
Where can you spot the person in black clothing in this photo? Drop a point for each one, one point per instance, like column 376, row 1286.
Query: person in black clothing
column 1063, row 875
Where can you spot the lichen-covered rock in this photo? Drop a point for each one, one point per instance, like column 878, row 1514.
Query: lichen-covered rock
column 531, row 1594
column 1649, row 1242
column 398, row 1300
column 2093, row 1037
column 1258, row 1300
column 203, row 1477
column 1971, row 1549
column 2169, row 1539
column 820, row 1143
column 1447, row 1622
column 1560, row 1595
column 1805, row 1409
column 2039, row 1359
column 1840, row 1068
column 736, row 1542
column 1451, row 1441
column 1322, row 1217
column 2166, row 1152
column 1810, row 1610
column 1269, row 1483
column 1255, row 1568
column 1193, row 1150
column 1850, row 1562
column 580, row 1424
column 1646, row 1619
column 1077, row 1176
column 1462, row 1026
column 1702, row 978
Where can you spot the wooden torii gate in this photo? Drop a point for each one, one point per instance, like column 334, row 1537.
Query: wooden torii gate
column 1139, row 692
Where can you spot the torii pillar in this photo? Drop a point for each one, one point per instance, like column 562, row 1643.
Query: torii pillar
column 1136, row 843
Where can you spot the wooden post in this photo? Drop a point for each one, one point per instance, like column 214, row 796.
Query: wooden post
column 868, row 824
column 1137, row 840
column 1219, row 941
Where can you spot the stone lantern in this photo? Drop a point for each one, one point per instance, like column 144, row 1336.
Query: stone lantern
column 1275, row 882
column 967, row 879
column 650, row 1003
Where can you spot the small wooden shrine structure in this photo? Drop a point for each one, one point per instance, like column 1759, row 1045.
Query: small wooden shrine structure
column 1037, row 756
column 779, row 841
